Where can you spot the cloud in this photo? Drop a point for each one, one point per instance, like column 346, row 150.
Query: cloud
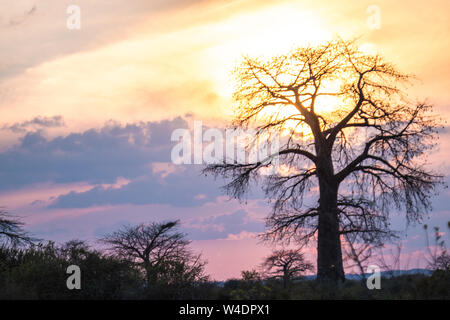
column 179, row 188
column 115, row 164
column 36, row 123
column 24, row 9
column 47, row 37
column 224, row 226
column 210, row 221
column 96, row 156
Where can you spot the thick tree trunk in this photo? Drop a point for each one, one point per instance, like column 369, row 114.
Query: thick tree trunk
column 329, row 260
column 150, row 274
column 285, row 278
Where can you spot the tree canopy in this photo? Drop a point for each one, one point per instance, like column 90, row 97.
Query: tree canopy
column 352, row 140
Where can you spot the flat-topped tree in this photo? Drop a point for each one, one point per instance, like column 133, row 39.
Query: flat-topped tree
column 362, row 150
column 286, row 264
column 160, row 250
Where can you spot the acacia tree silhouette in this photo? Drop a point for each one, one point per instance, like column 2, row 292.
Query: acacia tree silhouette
column 12, row 233
column 286, row 264
column 363, row 147
column 160, row 250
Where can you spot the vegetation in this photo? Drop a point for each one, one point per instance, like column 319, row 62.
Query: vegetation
column 134, row 265
column 39, row 272
column 150, row 261
column 400, row 287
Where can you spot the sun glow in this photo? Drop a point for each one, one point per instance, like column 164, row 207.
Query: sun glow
column 327, row 106
column 264, row 33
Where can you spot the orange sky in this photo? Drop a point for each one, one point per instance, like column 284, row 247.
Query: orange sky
column 174, row 61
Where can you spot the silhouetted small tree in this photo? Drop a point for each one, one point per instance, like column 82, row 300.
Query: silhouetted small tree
column 286, row 264
column 438, row 257
column 160, row 250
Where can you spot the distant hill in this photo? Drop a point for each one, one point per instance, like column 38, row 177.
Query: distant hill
column 385, row 274
column 354, row 276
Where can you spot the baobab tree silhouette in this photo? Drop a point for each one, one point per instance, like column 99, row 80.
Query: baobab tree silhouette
column 286, row 264
column 363, row 149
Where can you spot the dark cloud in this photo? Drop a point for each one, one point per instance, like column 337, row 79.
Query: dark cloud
column 17, row 20
column 36, row 123
column 181, row 188
column 94, row 156
column 140, row 153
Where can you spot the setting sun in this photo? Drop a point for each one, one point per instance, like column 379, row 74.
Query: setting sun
column 264, row 33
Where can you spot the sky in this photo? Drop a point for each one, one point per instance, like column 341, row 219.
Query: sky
column 87, row 114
